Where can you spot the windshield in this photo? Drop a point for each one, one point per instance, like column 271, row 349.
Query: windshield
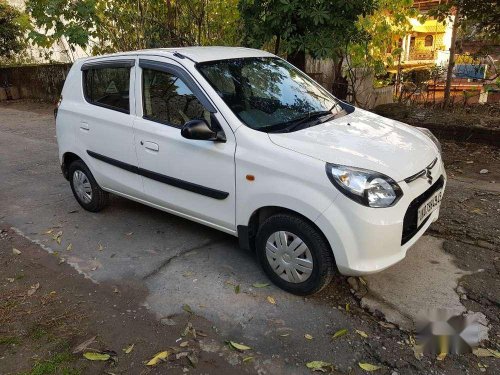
column 269, row 94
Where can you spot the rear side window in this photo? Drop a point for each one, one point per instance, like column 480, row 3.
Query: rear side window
column 167, row 99
column 108, row 87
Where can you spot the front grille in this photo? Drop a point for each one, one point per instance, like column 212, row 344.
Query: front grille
column 410, row 220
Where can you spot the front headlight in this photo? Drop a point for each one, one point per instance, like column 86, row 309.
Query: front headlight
column 433, row 138
column 369, row 188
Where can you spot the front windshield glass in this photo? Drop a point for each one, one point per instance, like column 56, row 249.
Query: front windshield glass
column 269, row 94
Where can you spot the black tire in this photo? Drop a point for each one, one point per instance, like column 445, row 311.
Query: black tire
column 323, row 260
column 99, row 199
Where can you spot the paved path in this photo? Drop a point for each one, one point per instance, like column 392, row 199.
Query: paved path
column 179, row 262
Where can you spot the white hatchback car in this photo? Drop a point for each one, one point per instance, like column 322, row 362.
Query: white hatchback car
column 240, row 140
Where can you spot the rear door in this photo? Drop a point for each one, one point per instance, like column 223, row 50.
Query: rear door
column 192, row 178
column 105, row 130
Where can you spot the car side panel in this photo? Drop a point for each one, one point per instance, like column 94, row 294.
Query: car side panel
column 110, row 134
column 282, row 178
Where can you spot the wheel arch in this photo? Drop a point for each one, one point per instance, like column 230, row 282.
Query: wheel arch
column 247, row 234
column 67, row 159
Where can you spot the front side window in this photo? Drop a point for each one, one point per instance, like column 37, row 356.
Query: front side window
column 108, row 87
column 269, row 94
column 168, row 100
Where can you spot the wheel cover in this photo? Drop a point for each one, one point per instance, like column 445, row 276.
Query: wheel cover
column 289, row 257
column 82, row 186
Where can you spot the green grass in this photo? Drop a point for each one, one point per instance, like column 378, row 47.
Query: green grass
column 37, row 333
column 9, row 340
column 58, row 364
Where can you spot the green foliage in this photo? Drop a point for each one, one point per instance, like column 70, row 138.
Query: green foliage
column 13, row 25
column 478, row 20
column 316, row 27
column 384, row 27
column 122, row 25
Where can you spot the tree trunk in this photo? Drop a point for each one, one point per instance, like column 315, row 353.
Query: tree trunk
column 297, row 58
column 340, row 84
column 451, row 63
column 277, row 44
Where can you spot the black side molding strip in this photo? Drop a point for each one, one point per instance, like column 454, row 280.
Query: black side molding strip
column 172, row 181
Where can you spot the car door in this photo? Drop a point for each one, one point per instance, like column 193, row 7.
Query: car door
column 105, row 133
column 193, row 178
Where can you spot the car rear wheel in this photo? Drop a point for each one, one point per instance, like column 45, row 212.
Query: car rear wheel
column 85, row 188
column 294, row 254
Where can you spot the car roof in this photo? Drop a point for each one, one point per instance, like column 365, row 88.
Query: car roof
column 198, row 54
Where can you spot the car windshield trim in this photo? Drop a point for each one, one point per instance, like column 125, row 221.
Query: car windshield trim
column 269, row 94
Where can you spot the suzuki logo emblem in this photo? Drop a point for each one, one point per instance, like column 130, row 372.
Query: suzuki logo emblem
column 428, row 174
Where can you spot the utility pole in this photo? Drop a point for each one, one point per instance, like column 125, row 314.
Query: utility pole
column 451, row 61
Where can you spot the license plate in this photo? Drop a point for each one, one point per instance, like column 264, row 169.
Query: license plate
column 429, row 206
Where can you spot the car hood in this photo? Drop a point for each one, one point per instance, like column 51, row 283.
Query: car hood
column 365, row 140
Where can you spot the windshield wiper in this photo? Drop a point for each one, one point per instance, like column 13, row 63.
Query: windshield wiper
column 311, row 116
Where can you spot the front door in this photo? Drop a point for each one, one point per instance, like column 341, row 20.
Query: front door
column 193, row 178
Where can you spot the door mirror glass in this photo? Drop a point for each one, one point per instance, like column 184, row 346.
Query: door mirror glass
column 200, row 130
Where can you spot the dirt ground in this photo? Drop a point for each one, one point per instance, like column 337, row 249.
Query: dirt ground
column 470, row 223
column 47, row 308
column 487, row 116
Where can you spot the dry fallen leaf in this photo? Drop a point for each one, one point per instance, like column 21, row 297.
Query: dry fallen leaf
column 418, row 351
column 15, row 251
column 128, row 349
column 70, row 247
column 100, row 248
column 57, row 237
column 129, row 233
column 193, row 359
column 187, row 308
column 246, row 359
column 271, row 300
column 318, row 365
column 33, row 289
column 386, row 325
column 93, row 356
column 237, row 289
column 485, row 352
column 308, row 336
column 361, row 333
column 239, row 347
column 369, row 367
column 260, row 285
column 347, row 307
column 441, row 356
column 158, row 357
column 49, row 231
column 184, row 344
column 339, row 333
column 10, row 279
column 84, row 345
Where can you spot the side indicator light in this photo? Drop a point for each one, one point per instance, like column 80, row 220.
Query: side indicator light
column 250, row 177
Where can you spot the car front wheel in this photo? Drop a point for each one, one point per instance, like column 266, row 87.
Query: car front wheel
column 294, row 254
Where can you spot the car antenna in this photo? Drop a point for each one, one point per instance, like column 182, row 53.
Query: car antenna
column 181, row 56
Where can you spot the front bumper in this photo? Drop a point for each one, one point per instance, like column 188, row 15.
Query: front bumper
column 367, row 240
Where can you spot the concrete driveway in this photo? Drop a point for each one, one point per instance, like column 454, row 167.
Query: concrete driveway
column 180, row 262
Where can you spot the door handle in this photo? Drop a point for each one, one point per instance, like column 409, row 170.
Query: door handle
column 151, row 146
column 84, row 126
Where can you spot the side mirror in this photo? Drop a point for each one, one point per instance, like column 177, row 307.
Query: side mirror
column 200, row 130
